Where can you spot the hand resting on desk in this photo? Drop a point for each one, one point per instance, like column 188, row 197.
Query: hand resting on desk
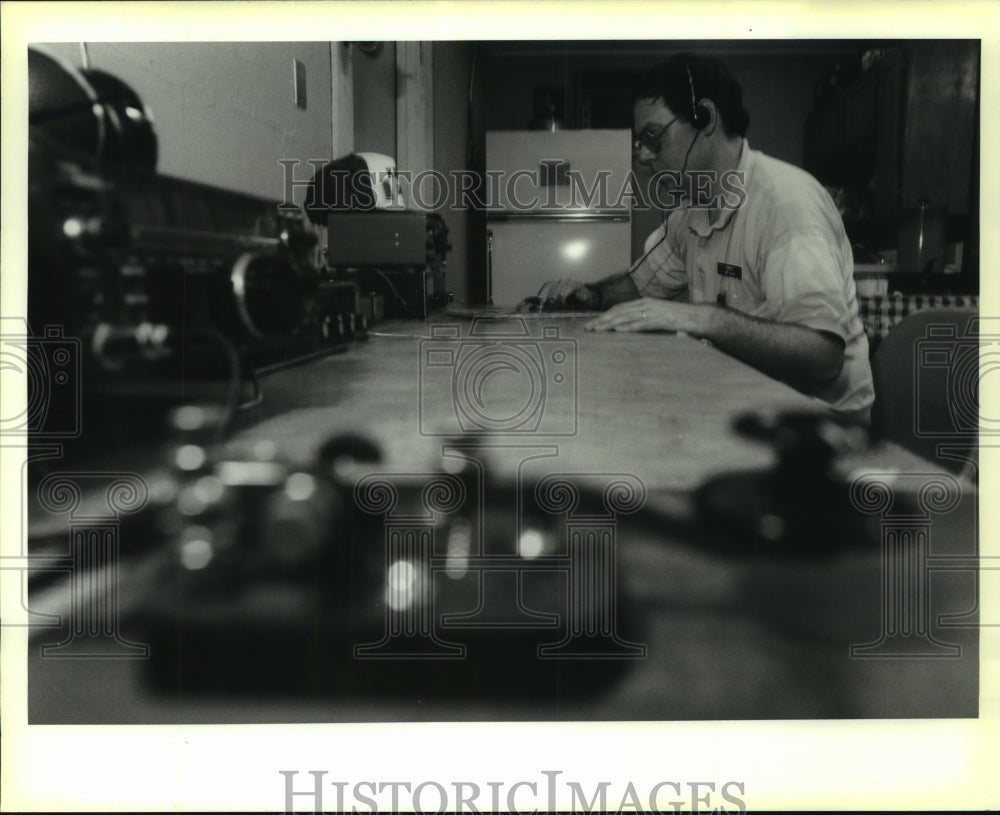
column 652, row 314
column 565, row 294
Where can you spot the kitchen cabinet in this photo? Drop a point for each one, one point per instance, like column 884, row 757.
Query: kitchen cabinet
column 860, row 113
column 852, row 137
column 941, row 124
column 902, row 131
column 887, row 113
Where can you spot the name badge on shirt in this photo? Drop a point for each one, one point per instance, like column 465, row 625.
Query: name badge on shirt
column 729, row 270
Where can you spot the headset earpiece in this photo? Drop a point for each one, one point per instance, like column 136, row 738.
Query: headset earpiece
column 701, row 117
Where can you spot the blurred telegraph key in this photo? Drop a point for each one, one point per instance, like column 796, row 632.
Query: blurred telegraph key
column 325, row 577
column 341, row 568
column 801, row 506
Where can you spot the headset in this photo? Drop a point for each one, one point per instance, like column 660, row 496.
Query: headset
column 700, row 117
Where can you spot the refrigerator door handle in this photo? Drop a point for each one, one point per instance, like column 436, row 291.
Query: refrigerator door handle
column 561, row 217
column 489, row 267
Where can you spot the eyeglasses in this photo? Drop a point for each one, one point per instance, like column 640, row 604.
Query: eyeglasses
column 651, row 139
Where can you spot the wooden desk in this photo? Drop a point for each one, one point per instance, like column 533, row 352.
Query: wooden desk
column 658, row 406
column 727, row 637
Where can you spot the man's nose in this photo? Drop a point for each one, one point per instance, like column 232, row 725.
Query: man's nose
column 644, row 155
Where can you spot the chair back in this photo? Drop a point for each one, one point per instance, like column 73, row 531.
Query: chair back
column 926, row 374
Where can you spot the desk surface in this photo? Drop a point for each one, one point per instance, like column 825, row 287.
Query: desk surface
column 656, row 405
column 727, row 637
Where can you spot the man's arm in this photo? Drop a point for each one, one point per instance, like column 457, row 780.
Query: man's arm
column 803, row 357
column 658, row 272
column 604, row 293
column 601, row 294
column 613, row 289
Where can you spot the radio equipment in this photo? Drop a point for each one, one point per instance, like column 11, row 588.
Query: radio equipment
column 386, row 238
column 171, row 290
column 122, row 250
column 393, row 253
column 132, row 262
column 398, row 256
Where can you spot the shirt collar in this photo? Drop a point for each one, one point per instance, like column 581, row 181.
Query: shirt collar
column 698, row 220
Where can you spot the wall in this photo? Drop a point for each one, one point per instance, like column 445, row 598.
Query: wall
column 375, row 100
column 225, row 112
column 940, row 124
column 452, row 65
column 376, row 86
column 777, row 84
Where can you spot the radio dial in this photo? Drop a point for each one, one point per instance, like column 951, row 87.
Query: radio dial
column 268, row 294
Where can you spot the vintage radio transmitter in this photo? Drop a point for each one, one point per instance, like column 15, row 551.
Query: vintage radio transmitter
column 116, row 251
column 115, row 247
column 386, row 238
column 392, row 252
column 398, row 255
column 165, row 285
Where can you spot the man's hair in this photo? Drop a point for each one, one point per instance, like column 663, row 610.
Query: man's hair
column 671, row 81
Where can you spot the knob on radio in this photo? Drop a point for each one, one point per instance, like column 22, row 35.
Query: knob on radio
column 269, row 294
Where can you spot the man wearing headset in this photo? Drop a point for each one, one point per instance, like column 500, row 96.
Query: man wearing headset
column 755, row 259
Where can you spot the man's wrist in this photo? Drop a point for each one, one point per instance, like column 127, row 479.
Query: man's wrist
column 711, row 320
column 596, row 299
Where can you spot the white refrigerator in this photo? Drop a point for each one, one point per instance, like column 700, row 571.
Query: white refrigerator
column 555, row 208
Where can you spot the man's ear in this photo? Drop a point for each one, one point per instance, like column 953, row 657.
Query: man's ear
column 710, row 112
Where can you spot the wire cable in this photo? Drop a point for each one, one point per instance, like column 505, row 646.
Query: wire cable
column 231, row 404
column 394, row 290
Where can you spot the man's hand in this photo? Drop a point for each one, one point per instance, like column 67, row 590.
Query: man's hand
column 803, row 357
column 654, row 314
column 568, row 292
